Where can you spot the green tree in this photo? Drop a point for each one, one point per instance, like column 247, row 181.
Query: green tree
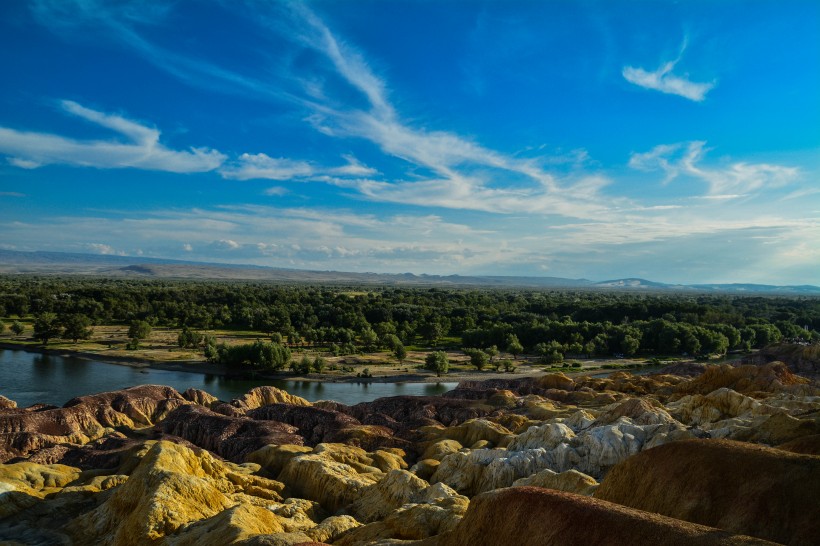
column 302, row 366
column 514, row 346
column 2, row 327
column 318, row 364
column 76, row 327
column 46, row 327
column 369, row 339
column 189, row 339
column 491, row 352
column 400, row 352
column 139, row 329
column 478, row 358
column 17, row 328
column 438, row 362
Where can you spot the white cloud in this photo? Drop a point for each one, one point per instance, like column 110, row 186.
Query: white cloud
column 277, row 191
column 143, row 151
column 100, row 248
column 262, row 166
column 726, row 182
column 664, row 81
column 467, row 175
column 23, row 163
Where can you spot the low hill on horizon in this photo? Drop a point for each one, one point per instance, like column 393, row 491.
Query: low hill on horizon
column 14, row 262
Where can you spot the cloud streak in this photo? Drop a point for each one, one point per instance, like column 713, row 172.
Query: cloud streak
column 141, row 149
column 732, row 181
column 662, row 79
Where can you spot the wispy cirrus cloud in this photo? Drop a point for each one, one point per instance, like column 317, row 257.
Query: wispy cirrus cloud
column 466, row 175
column 262, row 166
column 727, row 182
column 662, row 79
column 141, row 149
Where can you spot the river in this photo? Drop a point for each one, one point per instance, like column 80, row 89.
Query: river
column 29, row 378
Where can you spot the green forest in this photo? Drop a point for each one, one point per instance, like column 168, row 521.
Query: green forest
column 550, row 325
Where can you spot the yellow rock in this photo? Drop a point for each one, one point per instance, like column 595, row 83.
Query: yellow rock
column 274, row 458
column 391, row 492
column 410, row 522
column 470, row 432
column 21, row 484
column 265, row 396
column 441, row 449
column 556, row 381
column 571, row 481
column 334, row 475
column 228, row 527
column 171, row 487
column 331, row 528
column 425, row 468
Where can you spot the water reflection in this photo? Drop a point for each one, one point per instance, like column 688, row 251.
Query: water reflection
column 30, row 378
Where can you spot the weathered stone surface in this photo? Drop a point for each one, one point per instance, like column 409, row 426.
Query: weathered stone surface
column 228, row 527
column 200, row 397
column 273, row 458
column 547, row 436
column 410, row 522
column 316, row 425
column 395, row 489
column 405, row 412
column 330, row 529
column 570, row 481
column 6, row 403
column 21, row 484
column 264, row 396
column 475, row 430
column 230, row 437
column 530, row 516
column 171, row 487
column 333, row 475
column 83, row 419
column 743, row 488
column 770, row 378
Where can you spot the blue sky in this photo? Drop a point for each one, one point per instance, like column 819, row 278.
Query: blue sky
column 676, row 141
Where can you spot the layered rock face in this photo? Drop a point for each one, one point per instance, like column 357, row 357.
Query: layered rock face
column 747, row 489
column 530, row 516
column 729, row 456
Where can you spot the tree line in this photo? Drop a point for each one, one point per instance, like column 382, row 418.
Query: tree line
column 552, row 324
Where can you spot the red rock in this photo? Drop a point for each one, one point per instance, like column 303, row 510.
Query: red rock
column 531, row 516
column 229, row 437
column 742, row 488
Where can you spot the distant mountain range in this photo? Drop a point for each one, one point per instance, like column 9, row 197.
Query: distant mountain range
column 64, row 263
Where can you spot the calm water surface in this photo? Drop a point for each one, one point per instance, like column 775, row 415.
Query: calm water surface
column 29, row 378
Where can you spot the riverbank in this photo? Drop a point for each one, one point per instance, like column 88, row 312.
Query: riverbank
column 376, row 374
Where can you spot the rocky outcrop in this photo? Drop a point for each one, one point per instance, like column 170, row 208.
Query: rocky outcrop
column 400, row 413
column 412, row 521
column 264, row 396
column 83, row 419
column 335, row 475
column 530, row 516
column 315, row 425
column 800, row 358
column 770, row 378
column 230, row 437
column 742, row 488
column 172, row 487
column 144, row 465
column 570, row 481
